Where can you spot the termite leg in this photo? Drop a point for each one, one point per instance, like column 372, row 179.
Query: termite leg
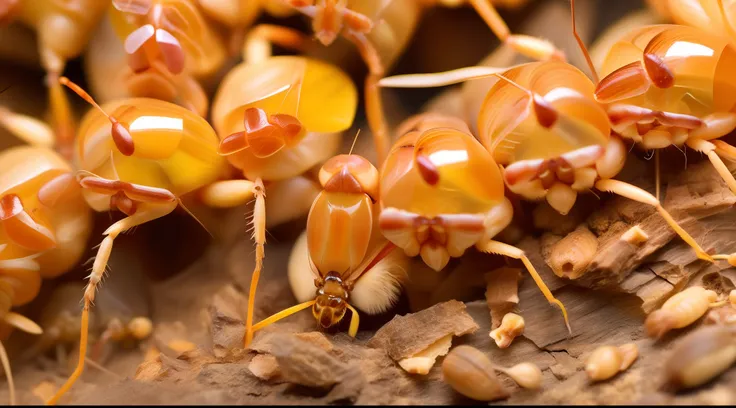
column 529, row 46
column 495, row 247
column 8, row 373
column 373, row 103
column 282, row 314
column 145, row 212
column 231, row 193
column 62, row 116
column 635, row 193
column 711, row 149
column 228, row 193
column 26, row 128
column 258, row 42
column 259, row 235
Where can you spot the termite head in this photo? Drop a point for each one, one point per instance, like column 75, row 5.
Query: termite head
column 331, row 302
column 349, row 174
column 264, row 135
column 327, row 22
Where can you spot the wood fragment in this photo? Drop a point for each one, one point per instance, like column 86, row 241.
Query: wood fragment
column 264, row 366
column 635, row 236
column 408, row 335
column 502, row 292
column 306, row 364
column 423, row 361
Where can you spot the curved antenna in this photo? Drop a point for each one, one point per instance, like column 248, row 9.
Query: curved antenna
column 354, row 140
column 120, row 133
column 582, row 45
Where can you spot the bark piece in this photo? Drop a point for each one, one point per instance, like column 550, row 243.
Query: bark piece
column 408, row 335
column 502, row 293
column 264, row 366
column 422, row 362
column 306, row 364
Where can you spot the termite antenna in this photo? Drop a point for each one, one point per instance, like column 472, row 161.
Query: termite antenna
column 120, row 134
column 181, row 203
column 354, row 140
column 582, row 45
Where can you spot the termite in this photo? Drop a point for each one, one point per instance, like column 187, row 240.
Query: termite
column 278, row 118
column 681, row 310
column 44, row 222
column 63, row 28
column 442, row 192
column 712, row 16
column 138, row 156
column 341, row 258
column 170, row 45
column 550, row 127
column 381, row 31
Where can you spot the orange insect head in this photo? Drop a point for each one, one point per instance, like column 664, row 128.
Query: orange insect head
column 332, row 300
column 20, row 226
column 264, row 135
column 349, row 174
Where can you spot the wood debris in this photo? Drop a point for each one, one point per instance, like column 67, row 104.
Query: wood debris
column 502, row 292
column 409, row 335
column 306, row 364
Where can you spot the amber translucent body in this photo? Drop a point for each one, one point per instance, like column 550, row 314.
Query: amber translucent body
column 175, row 149
column 703, row 14
column 702, row 67
column 394, row 23
column 441, row 192
column 25, row 170
column 64, row 27
column 512, row 129
column 319, row 96
column 204, row 48
column 469, row 180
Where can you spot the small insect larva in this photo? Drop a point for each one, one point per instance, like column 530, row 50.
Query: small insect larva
column 732, row 298
column 571, row 256
column 679, row 311
column 699, row 357
column 511, row 326
column 607, row 361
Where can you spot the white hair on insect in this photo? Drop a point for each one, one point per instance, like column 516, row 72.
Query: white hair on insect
column 379, row 288
column 301, row 277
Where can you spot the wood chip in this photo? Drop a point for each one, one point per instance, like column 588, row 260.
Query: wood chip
column 422, row 362
column 406, row 336
column 306, row 364
column 502, row 292
column 264, row 366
